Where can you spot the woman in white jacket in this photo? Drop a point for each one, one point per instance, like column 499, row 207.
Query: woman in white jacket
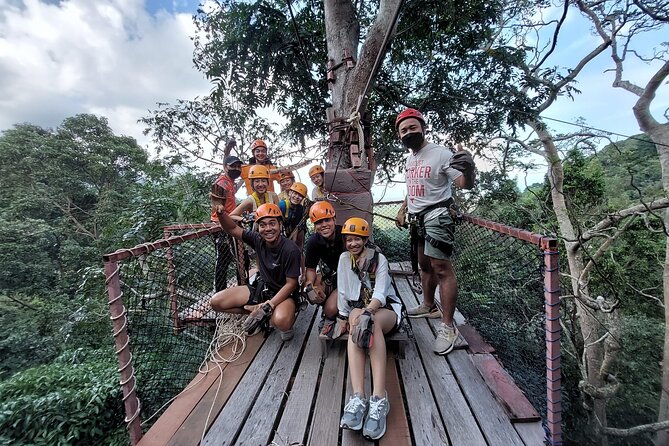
column 367, row 299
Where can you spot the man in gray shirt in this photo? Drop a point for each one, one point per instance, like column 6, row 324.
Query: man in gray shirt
column 430, row 176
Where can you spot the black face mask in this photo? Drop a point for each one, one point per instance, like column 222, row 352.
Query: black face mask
column 234, row 173
column 413, row 140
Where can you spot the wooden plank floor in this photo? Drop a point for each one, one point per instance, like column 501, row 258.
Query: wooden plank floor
column 284, row 394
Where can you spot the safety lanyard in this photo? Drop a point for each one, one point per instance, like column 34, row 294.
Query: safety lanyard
column 257, row 198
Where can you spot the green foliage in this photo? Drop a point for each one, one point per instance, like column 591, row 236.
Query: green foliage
column 165, row 201
column 640, row 372
column 632, row 171
column 74, row 400
column 583, row 181
column 28, row 335
column 258, row 57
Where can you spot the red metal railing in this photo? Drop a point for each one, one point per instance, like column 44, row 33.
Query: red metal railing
column 550, row 252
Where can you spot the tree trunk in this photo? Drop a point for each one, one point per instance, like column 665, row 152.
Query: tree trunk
column 348, row 85
column 342, row 31
column 659, row 134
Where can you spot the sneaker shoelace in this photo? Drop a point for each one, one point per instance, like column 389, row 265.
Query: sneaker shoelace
column 374, row 406
column 446, row 332
column 353, row 404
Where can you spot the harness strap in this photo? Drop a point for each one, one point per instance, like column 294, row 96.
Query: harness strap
column 444, row 247
column 441, row 204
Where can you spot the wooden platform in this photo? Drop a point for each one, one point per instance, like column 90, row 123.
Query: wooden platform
column 283, row 394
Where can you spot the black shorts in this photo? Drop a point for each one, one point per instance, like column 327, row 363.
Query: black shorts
column 259, row 293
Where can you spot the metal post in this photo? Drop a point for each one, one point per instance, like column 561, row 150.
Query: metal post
column 122, row 342
column 553, row 367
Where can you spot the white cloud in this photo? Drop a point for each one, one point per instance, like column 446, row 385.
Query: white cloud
column 109, row 57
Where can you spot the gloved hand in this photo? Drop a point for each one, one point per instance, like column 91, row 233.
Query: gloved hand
column 340, row 328
column 463, row 161
column 217, row 195
column 362, row 332
column 260, row 314
column 401, row 218
column 315, row 295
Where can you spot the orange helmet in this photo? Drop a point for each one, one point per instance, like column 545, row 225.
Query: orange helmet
column 299, row 188
column 286, row 174
column 356, row 226
column 316, row 169
column 320, row 211
column 268, row 210
column 258, row 171
column 258, row 143
column 409, row 113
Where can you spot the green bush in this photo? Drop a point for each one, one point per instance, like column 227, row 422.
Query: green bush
column 74, row 400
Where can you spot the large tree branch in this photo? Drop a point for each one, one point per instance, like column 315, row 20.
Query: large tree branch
column 642, row 106
column 636, row 430
column 555, row 89
column 372, row 48
column 615, row 217
column 526, row 146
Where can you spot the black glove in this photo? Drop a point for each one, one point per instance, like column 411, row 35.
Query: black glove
column 259, row 316
column 363, row 332
column 463, row 161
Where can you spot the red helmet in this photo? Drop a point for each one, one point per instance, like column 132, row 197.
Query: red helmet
column 409, row 113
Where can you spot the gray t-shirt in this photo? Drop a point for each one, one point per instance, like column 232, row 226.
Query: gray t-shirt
column 429, row 178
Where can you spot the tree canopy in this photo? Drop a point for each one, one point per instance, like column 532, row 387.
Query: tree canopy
column 272, row 54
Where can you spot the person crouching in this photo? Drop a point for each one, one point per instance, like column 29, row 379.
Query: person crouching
column 273, row 296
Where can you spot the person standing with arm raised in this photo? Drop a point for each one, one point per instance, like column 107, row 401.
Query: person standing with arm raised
column 273, row 296
column 431, row 172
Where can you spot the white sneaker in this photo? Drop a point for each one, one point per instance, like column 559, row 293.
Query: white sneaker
column 446, row 337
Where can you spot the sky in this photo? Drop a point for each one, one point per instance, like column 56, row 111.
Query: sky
column 119, row 58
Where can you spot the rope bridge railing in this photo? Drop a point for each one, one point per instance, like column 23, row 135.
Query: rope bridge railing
column 159, row 292
column 509, row 290
column 158, row 297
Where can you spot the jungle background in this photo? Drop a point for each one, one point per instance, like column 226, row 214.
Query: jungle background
column 74, row 192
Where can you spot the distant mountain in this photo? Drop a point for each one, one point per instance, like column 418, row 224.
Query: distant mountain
column 631, row 171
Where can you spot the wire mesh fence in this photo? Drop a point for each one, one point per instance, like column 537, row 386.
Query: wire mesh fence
column 166, row 286
column 501, row 294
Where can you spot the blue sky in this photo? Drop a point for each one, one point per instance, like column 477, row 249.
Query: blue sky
column 118, row 58
column 173, row 7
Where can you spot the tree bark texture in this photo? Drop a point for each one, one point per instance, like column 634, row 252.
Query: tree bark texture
column 342, row 31
column 659, row 134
